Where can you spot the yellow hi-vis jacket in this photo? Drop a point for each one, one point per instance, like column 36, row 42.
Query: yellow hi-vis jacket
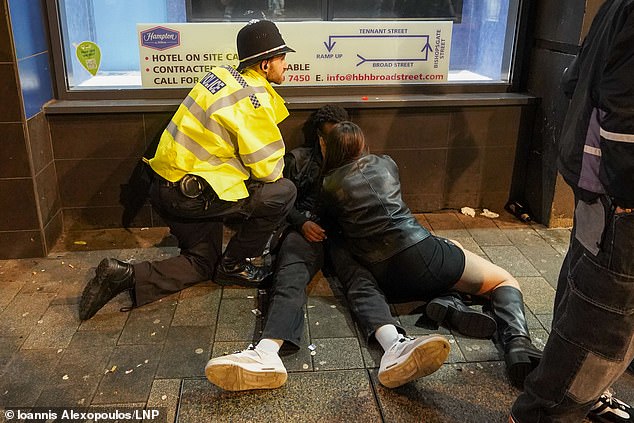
column 226, row 132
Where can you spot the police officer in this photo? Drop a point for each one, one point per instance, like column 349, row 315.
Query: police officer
column 221, row 157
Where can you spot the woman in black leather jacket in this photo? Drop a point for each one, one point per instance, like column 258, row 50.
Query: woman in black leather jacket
column 362, row 200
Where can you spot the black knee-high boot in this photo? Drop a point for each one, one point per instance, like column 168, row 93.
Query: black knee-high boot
column 520, row 355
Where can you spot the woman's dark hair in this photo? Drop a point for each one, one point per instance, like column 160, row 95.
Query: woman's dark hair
column 345, row 143
column 326, row 114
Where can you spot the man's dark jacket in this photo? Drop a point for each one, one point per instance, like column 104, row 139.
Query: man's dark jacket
column 302, row 166
column 596, row 150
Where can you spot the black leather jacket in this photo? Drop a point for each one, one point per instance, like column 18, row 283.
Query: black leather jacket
column 363, row 199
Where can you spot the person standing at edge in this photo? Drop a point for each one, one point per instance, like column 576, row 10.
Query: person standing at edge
column 591, row 343
column 221, row 156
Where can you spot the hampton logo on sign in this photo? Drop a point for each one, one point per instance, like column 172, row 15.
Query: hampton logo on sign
column 159, row 38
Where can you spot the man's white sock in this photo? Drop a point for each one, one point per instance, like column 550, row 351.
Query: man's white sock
column 387, row 335
column 270, row 345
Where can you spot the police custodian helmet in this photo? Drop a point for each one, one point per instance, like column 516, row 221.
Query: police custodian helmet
column 259, row 40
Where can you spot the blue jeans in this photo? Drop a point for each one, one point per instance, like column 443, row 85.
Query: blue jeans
column 590, row 344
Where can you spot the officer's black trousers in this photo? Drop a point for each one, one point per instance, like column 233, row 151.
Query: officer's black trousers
column 197, row 223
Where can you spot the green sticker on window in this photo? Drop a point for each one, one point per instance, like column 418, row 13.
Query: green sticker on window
column 89, row 56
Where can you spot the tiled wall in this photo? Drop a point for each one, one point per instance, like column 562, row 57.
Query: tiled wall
column 30, row 216
column 447, row 158
column 30, row 38
column 102, row 151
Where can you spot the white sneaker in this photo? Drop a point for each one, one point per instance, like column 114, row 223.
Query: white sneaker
column 249, row 369
column 411, row 358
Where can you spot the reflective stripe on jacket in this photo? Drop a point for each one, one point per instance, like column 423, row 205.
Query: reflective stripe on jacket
column 596, row 147
column 226, row 132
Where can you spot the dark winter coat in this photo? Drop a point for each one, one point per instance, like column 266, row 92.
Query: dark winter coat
column 596, row 150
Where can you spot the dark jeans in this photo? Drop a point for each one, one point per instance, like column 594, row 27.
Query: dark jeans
column 591, row 342
column 298, row 260
column 366, row 300
column 197, row 223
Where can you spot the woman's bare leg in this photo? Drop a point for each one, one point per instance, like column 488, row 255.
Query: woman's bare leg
column 483, row 278
column 480, row 276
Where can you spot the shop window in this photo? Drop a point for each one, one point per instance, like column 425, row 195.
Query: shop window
column 482, row 49
column 205, row 10
column 397, row 9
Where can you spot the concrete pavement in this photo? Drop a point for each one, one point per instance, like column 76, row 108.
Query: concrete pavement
column 153, row 357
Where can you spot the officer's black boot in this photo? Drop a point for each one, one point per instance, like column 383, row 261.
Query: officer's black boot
column 250, row 272
column 520, row 355
column 112, row 277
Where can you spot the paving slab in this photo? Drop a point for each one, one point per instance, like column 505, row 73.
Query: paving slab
column 54, row 330
column 545, row 259
column 74, row 380
column 486, row 236
column 8, row 290
column 198, row 305
column 539, row 294
column 26, row 375
column 524, row 236
column 546, row 320
column 20, row 316
column 237, row 320
column 511, row 259
column 153, row 357
column 131, row 370
column 164, row 396
column 336, row 354
column 329, row 317
column 455, row 393
column 333, row 396
column 186, row 351
column 477, row 350
column 149, row 324
column 238, row 292
column 444, row 221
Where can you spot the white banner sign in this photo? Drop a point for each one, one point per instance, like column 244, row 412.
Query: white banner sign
column 328, row 53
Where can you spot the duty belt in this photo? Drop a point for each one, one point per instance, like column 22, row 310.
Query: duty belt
column 165, row 183
column 191, row 186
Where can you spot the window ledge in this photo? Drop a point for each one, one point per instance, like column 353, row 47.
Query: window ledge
column 303, row 102
column 412, row 100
